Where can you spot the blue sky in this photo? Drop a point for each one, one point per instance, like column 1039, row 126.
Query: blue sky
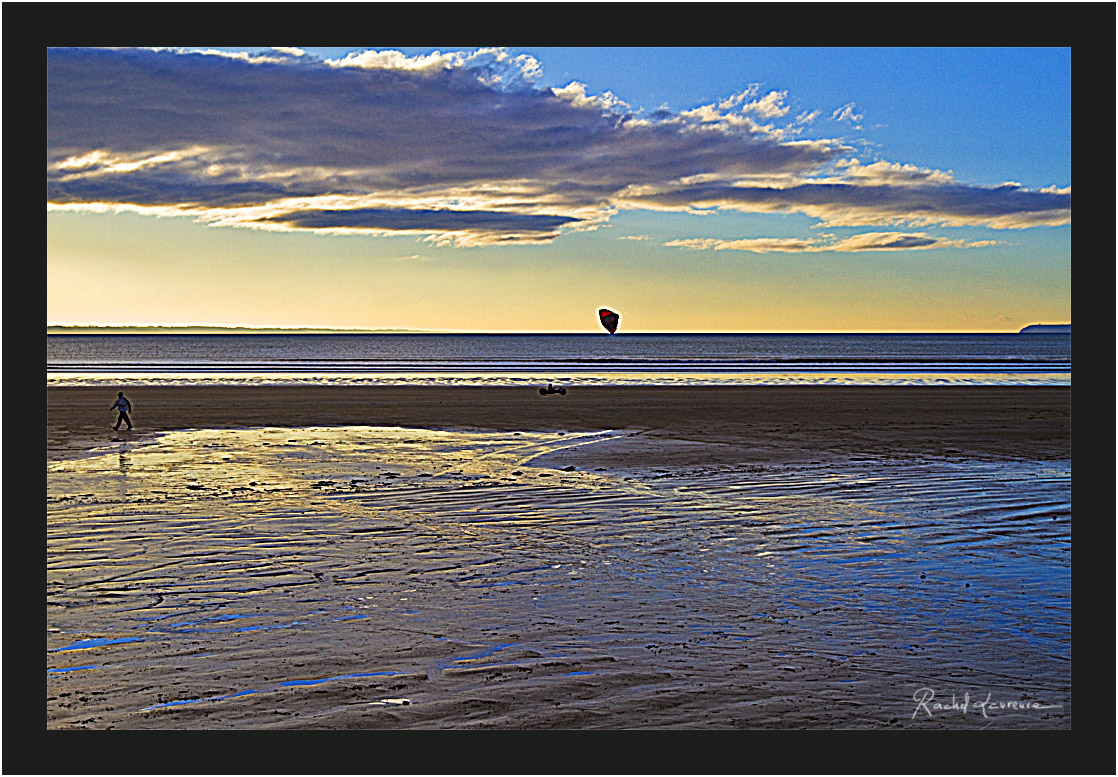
column 919, row 106
column 518, row 189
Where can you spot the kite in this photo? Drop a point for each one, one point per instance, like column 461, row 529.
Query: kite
column 609, row 319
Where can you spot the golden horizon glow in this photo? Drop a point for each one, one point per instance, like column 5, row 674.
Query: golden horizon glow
column 589, row 330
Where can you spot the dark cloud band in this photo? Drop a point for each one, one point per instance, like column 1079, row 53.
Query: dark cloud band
column 422, row 220
column 844, row 203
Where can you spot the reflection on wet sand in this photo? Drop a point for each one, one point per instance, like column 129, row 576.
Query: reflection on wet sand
column 403, row 578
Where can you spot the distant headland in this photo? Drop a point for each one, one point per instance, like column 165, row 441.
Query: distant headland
column 217, row 330
column 1046, row 329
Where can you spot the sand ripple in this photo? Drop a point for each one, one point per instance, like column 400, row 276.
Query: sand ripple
column 381, row 577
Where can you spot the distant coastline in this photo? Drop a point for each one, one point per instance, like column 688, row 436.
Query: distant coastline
column 223, row 330
column 1046, row 329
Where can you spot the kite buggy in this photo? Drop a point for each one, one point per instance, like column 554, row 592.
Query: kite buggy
column 552, row 390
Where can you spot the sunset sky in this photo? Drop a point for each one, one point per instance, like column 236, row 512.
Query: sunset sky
column 520, row 189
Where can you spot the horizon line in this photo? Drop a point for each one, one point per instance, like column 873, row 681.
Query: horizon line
column 204, row 328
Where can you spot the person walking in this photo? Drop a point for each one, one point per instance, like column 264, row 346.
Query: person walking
column 125, row 407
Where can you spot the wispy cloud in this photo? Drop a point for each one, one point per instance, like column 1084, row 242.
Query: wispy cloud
column 846, row 113
column 456, row 148
column 867, row 241
column 856, row 203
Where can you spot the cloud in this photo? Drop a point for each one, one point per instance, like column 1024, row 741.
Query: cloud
column 875, row 202
column 770, row 106
column 846, row 113
column 458, row 148
column 868, row 241
column 440, row 224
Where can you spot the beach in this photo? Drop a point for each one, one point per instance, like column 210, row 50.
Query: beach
column 414, row 557
column 728, row 424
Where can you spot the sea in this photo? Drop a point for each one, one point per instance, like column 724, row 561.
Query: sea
column 565, row 359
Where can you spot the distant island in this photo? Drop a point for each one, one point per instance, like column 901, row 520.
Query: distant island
column 218, row 330
column 1046, row 329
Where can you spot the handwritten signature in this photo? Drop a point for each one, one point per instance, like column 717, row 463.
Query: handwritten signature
column 925, row 699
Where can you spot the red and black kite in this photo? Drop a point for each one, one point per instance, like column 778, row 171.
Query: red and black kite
column 609, row 319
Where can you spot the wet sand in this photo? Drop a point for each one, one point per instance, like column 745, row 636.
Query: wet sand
column 731, row 424
column 411, row 558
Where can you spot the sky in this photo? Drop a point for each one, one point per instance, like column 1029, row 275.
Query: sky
column 519, row 189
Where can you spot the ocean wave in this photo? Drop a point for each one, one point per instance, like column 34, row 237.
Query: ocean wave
column 479, row 378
